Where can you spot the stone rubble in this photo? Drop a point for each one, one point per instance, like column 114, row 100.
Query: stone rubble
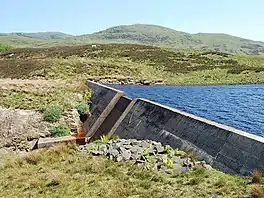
column 145, row 153
column 127, row 81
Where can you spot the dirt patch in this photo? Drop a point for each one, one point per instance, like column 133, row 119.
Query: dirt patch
column 33, row 85
column 19, row 127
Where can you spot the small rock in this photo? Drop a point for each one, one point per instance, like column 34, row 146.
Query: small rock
column 139, row 161
column 133, row 149
column 208, row 167
column 127, row 146
column 143, row 144
column 103, row 148
column 135, row 143
column 110, row 142
column 176, row 159
column 184, row 169
column 117, row 145
column 140, row 150
column 188, row 163
column 113, row 152
column 119, row 158
column 95, row 152
column 43, row 135
column 159, row 148
column 126, row 142
column 126, row 154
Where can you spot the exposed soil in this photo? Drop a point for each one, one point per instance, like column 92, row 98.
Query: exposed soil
column 19, row 127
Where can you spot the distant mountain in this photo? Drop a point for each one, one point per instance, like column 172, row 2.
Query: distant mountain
column 42, row 35
column 141, row 34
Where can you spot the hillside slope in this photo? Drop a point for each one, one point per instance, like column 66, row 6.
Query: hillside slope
column 140, row 34
column 162, row 36
column 130, row 64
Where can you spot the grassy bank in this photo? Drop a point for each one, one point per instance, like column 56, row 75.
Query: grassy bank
column 40, row 94
column 137, row 62
column 63, row 171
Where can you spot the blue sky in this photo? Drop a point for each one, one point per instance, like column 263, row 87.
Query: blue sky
column 236, row 17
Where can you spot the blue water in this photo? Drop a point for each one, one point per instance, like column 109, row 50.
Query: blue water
column 239, row 106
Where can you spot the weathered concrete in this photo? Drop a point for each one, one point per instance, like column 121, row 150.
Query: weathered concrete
column 48, row 142
column 112, row 118
column 103, row 101
column 225, row 148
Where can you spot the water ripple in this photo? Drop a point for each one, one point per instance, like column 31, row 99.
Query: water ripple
column 239, row 106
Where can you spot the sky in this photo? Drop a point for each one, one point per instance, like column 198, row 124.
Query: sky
column 241, row 18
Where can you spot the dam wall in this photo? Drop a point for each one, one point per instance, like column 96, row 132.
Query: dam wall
column 103, row 100
column 225, row 148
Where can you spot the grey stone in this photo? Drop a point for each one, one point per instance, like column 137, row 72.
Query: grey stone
column 171, row 153
column 127, row 142
column 119, row 158
column 127, row 146
column 112, row 152
column 139, row 161
column 176, row 159
column 117, row 145
column 135, row 143
column 143, row 144
column 126, row 154
column 133, row 149
column 177, row 168
column 159, row 148
column 158, row 165
column 208, row 167
column 188, row 163
column 134, row 156
column 184, row 169
column 140, row 150
column 95, row 152
column 103, row 148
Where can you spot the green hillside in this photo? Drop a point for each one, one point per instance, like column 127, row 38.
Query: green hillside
column 43, row 35
column 140, row 34
column 130, row 62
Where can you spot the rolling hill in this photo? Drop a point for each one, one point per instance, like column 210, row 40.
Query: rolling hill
column 140, row 34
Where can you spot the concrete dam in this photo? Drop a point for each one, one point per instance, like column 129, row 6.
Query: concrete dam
column 224, row 148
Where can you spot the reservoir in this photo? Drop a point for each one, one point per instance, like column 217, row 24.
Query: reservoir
column 238, row 106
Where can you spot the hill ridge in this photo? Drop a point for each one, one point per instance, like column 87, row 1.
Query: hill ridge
column 147, row 34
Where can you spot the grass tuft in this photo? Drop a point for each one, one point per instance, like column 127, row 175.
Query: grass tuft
column 256, row 191
column 256, row 176
column 104, row 139
column 52, row 113
column 83, row 108
column 32, row 158
column 59, row 130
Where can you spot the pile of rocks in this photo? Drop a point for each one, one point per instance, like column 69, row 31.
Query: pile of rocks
column 146, row 153
column 128, row 81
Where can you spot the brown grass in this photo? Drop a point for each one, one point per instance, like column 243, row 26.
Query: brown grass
column 63, row 171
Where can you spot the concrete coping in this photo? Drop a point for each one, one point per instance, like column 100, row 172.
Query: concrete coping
column 101, row 85
column 212, row 123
